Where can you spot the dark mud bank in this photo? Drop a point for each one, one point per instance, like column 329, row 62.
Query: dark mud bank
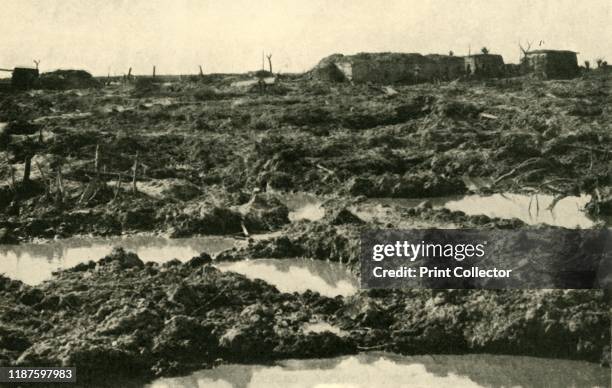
column 128, row 319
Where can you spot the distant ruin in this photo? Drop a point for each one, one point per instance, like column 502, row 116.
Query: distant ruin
column 412, row 68
column 484, row 65
column 551, row 64
column 406, row 68
column 23, row 78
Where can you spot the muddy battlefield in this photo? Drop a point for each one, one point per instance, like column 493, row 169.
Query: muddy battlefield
column 155, row 225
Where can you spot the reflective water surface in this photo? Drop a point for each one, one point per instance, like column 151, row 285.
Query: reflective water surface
column 532, row 209
column 567, row 212
column 298, row 275
column 34, row 262
column 372, row 370
column 304, row 206
column 321, row 327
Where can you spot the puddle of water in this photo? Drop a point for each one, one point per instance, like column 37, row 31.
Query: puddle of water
column 34, row 263
column 321, row 327
column 567, row 212
column 304, row 206
column 387, row 370
column 298, row 275
column 311, row 212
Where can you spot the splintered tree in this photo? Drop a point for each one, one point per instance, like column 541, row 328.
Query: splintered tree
column 36, row 62
column 269, row 56
column 201, row 72
column 524, row 51
column 484, row 50
column 601, row 63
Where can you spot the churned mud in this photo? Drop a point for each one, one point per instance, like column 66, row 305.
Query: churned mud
column 130, row 319
column 290, row 175
column 202, row 148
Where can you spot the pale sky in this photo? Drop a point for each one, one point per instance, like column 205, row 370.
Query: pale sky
column 229, row 36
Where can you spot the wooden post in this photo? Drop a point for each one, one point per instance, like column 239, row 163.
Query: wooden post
column 26, row 169
column 244, row 229
column 118, row 187
column 12, row 175
column 134, row 188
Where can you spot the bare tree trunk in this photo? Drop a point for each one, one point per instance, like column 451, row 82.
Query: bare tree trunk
column 153, row 71
column 269, row 56
column 201, row 71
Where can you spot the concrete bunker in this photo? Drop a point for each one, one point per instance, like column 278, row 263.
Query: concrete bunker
column 23, row 78
column 551, row 64
column 389, row 68
column 484, row 65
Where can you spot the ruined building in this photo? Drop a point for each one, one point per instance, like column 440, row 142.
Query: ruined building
column 484, row 65
column 551, row 64
column 406, row 68
column 23, row 77
column 387, row 68
column 448, row 67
